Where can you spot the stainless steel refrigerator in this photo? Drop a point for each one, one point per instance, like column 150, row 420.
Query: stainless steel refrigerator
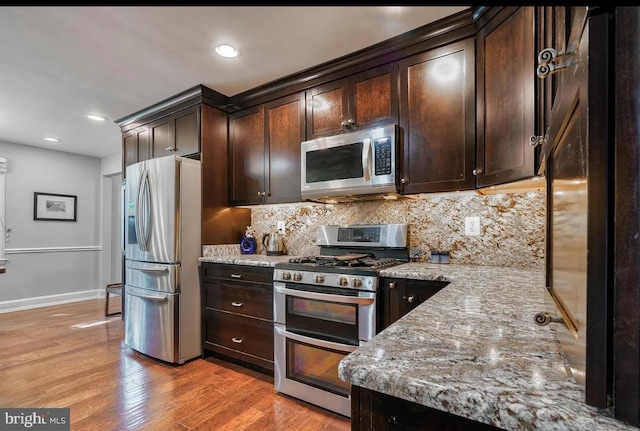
column 162, row 251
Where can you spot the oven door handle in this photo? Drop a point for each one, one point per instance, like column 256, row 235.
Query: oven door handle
column 315, row 342
column 343, row 299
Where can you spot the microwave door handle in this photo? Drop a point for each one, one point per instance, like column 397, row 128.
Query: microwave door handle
column 367, row 159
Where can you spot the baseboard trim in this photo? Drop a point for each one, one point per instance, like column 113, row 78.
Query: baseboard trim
column 52, row 249
column 45, row 301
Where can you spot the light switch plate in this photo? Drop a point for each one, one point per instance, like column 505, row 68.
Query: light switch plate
column 472, row 226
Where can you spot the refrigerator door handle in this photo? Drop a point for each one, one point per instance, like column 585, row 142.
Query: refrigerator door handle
column 137, row 220
column 148, row 269
column 160, row 298
column 145, row 211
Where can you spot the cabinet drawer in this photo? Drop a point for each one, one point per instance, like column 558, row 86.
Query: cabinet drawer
column 239, row 333
column 258, row 274
column 255, row 300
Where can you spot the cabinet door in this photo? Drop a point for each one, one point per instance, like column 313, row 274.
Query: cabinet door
column 285, row 127
column 394, row 293
column 161, row 137
column 327, row 107
column 419, row 291
column 129, row 149
column 373, row 97
column 438, row 118
column 186, row 131
column 247, row 141
column 506, row 97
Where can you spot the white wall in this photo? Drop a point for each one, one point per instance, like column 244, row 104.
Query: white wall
column 50, row 261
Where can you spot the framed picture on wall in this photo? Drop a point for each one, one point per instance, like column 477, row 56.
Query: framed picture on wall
column 51, row 206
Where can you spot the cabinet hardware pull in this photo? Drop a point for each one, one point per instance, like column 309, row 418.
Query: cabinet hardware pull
column 477, row 172
column 547, row 61
column 411, row 299
column 169, row 149
column 392, row 285
column 403, row 181
column 237, row 304
column 537, row 140
column 236, row 275
column 543, row 319
column 237, row 340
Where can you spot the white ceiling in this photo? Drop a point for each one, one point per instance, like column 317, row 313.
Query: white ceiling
column 59, row 63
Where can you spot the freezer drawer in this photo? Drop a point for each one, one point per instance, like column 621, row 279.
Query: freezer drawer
column 151, row 322
column 154, row 276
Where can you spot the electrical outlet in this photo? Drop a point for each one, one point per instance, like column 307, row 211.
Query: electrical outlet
column 472, row 226
column 281, row 226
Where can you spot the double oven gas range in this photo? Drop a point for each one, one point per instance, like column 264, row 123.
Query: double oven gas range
column 326, row 306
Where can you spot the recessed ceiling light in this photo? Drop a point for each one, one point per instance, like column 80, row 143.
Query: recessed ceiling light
column 95, row 117
column 51, row 139
column 227, row 51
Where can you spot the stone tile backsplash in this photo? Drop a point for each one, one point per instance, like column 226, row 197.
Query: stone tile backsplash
column 512, row 225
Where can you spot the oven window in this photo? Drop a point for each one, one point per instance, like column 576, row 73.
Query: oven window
column 323, row 319
column 336, row 163
column 316, row 366
column 328, row 311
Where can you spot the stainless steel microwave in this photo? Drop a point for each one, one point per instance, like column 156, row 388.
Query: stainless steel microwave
column 350, row 164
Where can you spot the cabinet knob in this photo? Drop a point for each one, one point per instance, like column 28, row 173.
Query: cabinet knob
column 237, row 340
column 548, row 61
column 411, row 299
column 169, row 149
column 477, row 171
column 392, row 285
column 403, row 180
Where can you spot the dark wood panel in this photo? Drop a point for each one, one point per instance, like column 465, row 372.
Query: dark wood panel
column 506, row 121
column 627, row 213
column 252, row 337
column 373, row 99
column 144, row 143
column 129, row 150
column 221, row 224
column 285, row 131
column 249, row 300
column 242, row 273
column 161, row 137
column 247, row 141
column 438, row 119
column 326, row 108
column 381, row 412
column 186, row 130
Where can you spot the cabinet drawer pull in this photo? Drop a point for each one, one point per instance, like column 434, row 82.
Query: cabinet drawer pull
column 169, row 149
column 477, row 171
column 236, row 275
column 237, row 340
column 237, row 304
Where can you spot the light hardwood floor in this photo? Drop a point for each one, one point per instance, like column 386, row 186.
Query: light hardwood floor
column 72, row 356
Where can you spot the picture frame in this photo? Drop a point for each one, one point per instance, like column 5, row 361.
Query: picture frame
column 55, row 207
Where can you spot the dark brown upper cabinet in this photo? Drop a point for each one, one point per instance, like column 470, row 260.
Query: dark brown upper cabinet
column 265, row 148
column 437, row 115
column 177, row 134
column 366, row 99
column 136, row 147
column 506, row 97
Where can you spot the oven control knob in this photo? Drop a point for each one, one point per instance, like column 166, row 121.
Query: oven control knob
column 286, row 276
column 297, row 276
column 319, row 278
column 356, row 282
column 342, row 281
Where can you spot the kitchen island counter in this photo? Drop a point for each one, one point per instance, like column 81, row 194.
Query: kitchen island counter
column 473, row 350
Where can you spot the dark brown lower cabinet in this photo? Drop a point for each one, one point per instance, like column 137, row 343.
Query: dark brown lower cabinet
column 237, row 313
column 375, row 411
column 400, row 296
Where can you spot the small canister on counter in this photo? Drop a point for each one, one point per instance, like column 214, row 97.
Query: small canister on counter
column 434, row 256
column 444, row 256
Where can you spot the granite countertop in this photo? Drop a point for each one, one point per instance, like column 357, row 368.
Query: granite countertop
column 473, row 350
column 247, row 259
